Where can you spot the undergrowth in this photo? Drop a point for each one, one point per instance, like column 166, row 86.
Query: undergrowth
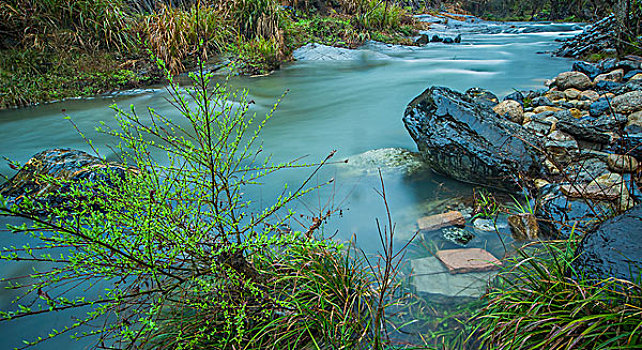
column 542, row 301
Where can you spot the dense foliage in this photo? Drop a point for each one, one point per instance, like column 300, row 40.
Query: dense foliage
column 66, row 43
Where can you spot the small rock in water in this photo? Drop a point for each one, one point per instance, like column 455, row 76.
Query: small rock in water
column 484, row 224
column 422, row 39
column 457, row 235
column 468, row 260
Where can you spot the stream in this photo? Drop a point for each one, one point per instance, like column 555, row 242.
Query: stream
column 353, row 105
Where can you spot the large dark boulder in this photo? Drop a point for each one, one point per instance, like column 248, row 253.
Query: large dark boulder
column 466, row 140
column 34, row 179
column 614, row 249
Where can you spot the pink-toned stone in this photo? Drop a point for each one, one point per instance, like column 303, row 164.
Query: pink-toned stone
column 468, row 260
column 435, row 222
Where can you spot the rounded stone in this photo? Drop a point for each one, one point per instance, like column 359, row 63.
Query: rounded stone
column 555, row 95
column 542, row 109
column 628, row 102
column 622, row 163
column 510, row 109
column 572, row 93
column 589, row 95
column 576, row 113
column 615, row 76
column 575, row 80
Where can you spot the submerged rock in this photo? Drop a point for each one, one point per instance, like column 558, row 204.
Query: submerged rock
column 318, row 52
column 466, row 140
column 457, row 235
column 614, row 249
column 431, row 276
column 387, row 159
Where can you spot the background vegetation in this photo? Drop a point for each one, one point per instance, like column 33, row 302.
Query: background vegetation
column 52, row 49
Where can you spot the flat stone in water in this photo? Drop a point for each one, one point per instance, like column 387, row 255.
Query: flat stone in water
column 431, row 276
column 468, row 260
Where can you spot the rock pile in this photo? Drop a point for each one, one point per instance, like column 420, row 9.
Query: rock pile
column 596, row 38
column 578, row 143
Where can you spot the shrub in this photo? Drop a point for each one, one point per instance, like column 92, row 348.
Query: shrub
column 380, row 15
column 45, row 24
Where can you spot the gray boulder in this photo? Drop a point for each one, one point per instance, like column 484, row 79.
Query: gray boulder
column 75, row 168
column 466, row 140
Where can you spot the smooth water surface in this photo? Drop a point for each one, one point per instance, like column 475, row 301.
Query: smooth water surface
column 351, row 106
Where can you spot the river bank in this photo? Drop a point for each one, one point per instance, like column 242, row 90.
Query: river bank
column 49, row 54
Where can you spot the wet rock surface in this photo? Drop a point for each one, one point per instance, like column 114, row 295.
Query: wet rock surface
column 73, row 166
column 614, row 249
column 465, row 139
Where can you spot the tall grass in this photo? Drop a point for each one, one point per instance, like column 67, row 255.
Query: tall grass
column 379, row 14
column 88, row 24
column 179, row 35
column 542, row 302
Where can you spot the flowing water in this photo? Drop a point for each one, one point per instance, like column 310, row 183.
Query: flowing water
column 350, row 105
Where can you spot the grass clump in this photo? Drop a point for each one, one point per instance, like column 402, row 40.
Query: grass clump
column 540, row 301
